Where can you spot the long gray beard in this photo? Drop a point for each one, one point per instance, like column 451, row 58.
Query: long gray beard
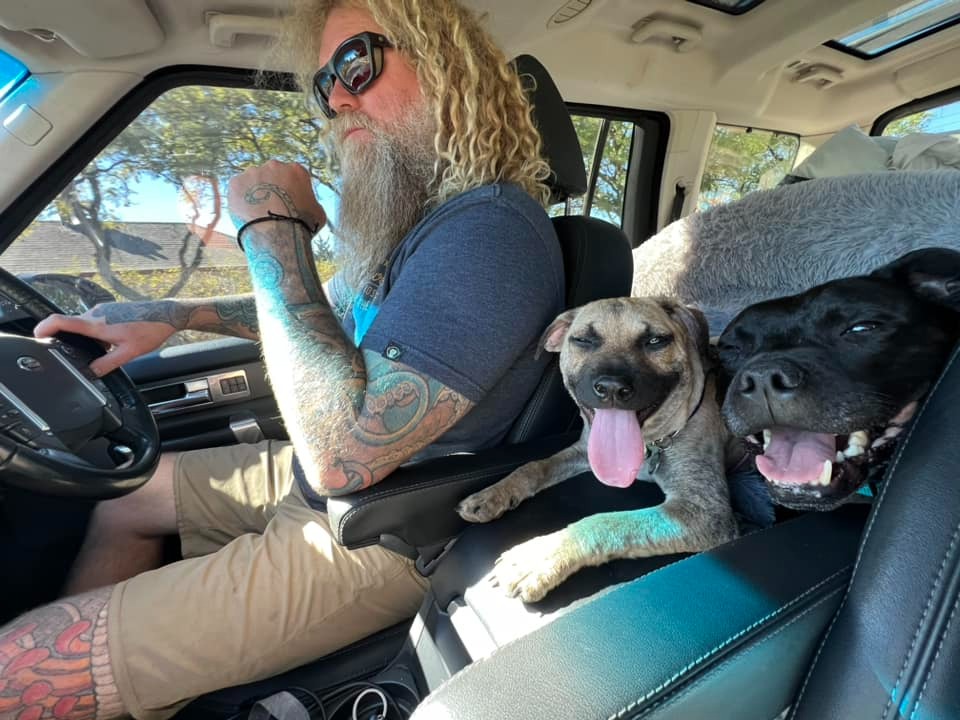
column 384, row 189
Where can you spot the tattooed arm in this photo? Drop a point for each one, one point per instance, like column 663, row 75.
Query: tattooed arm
column 55, row 663
column 136, row 328
column 353, row 416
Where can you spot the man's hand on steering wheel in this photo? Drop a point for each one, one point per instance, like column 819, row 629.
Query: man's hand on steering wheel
column 125, row 339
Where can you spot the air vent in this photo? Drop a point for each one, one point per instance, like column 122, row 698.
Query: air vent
column 568, row 12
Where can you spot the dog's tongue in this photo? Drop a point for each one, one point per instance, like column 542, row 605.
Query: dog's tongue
column 615, row 447
column 796, row 456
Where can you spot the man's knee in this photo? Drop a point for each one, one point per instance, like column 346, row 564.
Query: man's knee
column 149, row 511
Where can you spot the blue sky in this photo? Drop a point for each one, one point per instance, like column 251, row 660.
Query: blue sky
column 157, row 201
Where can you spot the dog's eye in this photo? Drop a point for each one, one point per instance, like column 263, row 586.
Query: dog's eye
column 584, row 342
column 861, row 327
column 656, row 342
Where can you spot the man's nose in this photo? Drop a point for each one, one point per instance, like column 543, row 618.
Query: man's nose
column 340, row 100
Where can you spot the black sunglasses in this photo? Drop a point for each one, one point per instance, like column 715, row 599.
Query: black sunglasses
column 356, row 63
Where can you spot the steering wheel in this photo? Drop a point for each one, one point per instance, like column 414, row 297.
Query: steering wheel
column 52, row 407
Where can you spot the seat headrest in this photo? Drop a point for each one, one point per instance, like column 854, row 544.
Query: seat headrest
column 561, row 147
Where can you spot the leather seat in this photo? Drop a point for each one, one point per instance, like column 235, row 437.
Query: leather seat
column 766, row 625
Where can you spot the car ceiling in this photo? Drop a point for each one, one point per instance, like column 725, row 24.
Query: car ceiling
column 765, row 68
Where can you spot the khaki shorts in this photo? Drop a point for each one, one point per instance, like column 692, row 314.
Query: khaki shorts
column 264, row 587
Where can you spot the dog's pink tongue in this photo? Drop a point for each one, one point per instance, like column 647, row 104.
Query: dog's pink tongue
column 615, row 447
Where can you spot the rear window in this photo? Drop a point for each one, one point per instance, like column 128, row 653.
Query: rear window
column 742, row 160
column 12, row 73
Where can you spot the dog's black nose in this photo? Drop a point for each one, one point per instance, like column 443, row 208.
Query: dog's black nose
column 779, row 379
column 610, row 388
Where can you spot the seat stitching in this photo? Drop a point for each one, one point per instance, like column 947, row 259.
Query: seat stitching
column 703, row 678
column 461, row 674
column 866, row 535
column 725, row 643
column 923, row 617
column 936, row 657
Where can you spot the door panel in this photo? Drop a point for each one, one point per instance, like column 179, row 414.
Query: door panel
column 208, row 393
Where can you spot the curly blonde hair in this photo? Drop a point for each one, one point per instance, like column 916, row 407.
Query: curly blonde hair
column 485, row 130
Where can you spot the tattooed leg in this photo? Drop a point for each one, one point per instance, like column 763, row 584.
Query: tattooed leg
column 54, row 662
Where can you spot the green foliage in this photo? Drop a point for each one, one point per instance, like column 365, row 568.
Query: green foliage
column 612, row 170
column 916, row 123
column 741, row 161
column 194, row 138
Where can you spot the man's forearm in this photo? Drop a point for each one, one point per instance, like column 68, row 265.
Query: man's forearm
column 235, row 315
column 318, row 376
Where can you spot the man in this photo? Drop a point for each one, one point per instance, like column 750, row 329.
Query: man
column 450, row 270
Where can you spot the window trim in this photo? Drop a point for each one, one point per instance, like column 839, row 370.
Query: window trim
column 640, row 204
column 943, row 97
column 641, row 199
column 725, row 9
column 42, row 191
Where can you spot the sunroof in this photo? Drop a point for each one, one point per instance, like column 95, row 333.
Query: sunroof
column 905, row 24
column 734, row 7
column 12, row 73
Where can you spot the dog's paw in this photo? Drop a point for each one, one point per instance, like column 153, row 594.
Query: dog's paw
column 532, row 569
column 491, row 503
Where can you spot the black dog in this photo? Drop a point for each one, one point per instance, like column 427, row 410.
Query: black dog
column 827, row 379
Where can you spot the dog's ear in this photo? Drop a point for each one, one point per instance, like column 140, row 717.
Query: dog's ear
column 932, row 273
column 552, row 338
column 694, row 321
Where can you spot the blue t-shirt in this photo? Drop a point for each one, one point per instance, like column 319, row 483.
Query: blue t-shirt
column 464, row 300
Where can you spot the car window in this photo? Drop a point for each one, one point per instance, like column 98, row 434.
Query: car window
column 12, row 74
column 942, row 119
column 742, row 160
column 147, row 218
column 606, row 145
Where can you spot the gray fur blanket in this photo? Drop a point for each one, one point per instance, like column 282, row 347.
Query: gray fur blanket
column 783, row 241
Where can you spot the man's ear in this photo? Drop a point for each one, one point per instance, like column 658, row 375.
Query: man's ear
column 932, row 273
column 693, row 320
column 553, row 336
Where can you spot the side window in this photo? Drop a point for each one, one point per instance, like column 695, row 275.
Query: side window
column 606, row 145
column 943, row 119
column 742, row 160
column 12, row 73
column 147, row 218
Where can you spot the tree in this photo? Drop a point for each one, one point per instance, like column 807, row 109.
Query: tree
column 194, row 138
column 741, row 161
column 915, row 123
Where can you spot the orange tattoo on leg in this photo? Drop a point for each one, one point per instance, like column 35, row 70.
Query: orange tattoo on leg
column 55, row 663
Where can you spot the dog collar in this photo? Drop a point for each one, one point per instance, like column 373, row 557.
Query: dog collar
column 656, row 449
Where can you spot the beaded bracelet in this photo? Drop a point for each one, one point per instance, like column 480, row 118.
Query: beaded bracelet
column 271, row 217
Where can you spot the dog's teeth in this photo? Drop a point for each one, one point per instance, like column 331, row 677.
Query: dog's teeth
column 858, row 439
column 767, row 435
column 840, row 457
column 853, row 451
column 825, row 474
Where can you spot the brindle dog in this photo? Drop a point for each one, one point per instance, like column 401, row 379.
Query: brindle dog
column 639, row 372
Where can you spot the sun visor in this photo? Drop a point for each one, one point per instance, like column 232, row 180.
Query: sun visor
column 94, row 28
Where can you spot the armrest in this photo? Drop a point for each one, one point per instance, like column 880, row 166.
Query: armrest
column 416, row 504
column 728, row 633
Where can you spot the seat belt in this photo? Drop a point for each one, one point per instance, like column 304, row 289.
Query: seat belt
column 676, row 209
